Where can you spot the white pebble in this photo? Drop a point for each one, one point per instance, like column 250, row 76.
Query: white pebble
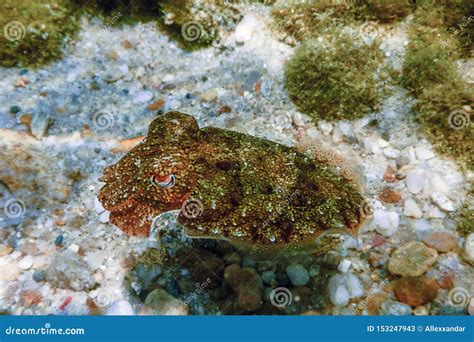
column 142, row 96
column 98, row 206
column 435, row 212
column 326, row 127
column 391, row 153
column 120, row 308
column 411, row 209
column 386, row 222
column 344, row 265
column 26, row 262
column 246, row 28
column 423, row 153
column 442, row 201
column 415, row 181
column 469, row 247
column 104, row 217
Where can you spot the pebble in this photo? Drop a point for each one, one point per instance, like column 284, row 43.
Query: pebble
column 423, row 153
column 386, row 222
column 297, row 119
column 412, row 259
column 416, row 291
column 435, row 212
column 442, row 201
column 470, row 307
column 344, row 266
column 469, row 248
column 442, row 242
column 160, row 302
column 209, row 95
column 389, row 195
column 5, row 250
column 389, row 175
column 342, row 288
column 39, row 275
column 142, row 96
column 391, row 153
column 246, row 28
column 247, row 284
column 411, row 209
column 415, row 181
column 104, row 217
column 69, row 270
column 420, row 311
column 394, row 308
column 325, row 127
column 39, row 124
column 297, row 274
column 120, row 308
column 26, row 262
column 112, row 74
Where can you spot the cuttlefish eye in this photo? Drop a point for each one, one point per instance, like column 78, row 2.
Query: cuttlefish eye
column 165, row 181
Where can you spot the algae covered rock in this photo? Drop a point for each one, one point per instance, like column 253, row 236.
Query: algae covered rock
column 34, row 31
column 228, row 186
column 334, row 79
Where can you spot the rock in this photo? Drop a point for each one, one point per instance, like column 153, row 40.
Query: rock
column 268, row 277
column 112, row 74
column 342, row 288
column 69, row 270
column 470, row 307
column 402, row 160
column 416, row 291
column 420, row 311
column 39, row 124
column 9, row 272
column 442, row 201
column 394, row 308
column 386, row 222
column 411, row 209
column 247, row 284
column 435, row 212
column 142, row 96
column 120, row 308
column 412, row 259
column 391, row 153
column 325, row 127
column 297, row 274
column 389, row 195
column 423, row 153
column 5, row 250
column 30, row 297
column 104, row 217
column 205, row 267
column 297, row 119
column 344, row 266
column 331, row 259
column 469, row 248
column 415, row 181
column 442, row 242
column 389, row 175
column 160, row 302
column 26, row 262
column 314, row 270
column 246, row 28
column 209, row 95
column 39, row 276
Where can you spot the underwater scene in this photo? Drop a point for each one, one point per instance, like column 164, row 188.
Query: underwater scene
column 195, row 157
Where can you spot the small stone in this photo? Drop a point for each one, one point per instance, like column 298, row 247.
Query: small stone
column 59, row 240
column 9, row 272
column 391, row 153
column 247, row 284
column 126, row 44
column 29, row 298
column 26, row 262
column 386, row 222
column 39, row 276
column 120, row 308
column 469, row 248
column 104, row 217
column 394, row 308
column 69, row 270
column 416, row 291
column 344, row 287
column 442, row 201
column 442, row 242
column 402, row 160
column 420, row 311
column 268, row 277
column 246, row 28
column 412, row 259
column 314, row 270
column 112, row 74
column 344, row 266
column 157, row 105
column 39, row 124
column 297, row 274
column 415, row 181
column 297, row 119
column 326, row 127
column 470, row 307
column 162, row 303
column 142, row 96
column 423, row 153
column 340, row 296
column 411, row 209
column 389, row 195
column 209, row 95
column 389, row 175
column 435, row 212
column 331, row 259
column 5, row 250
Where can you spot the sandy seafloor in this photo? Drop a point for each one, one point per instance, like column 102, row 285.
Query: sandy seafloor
column 62, row 254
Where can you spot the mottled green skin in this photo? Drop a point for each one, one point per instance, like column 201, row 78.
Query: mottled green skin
column 253, row 191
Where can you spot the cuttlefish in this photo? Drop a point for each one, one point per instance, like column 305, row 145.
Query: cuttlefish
column 228, row 185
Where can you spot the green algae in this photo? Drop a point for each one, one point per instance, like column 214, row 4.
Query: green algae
column 34, row 32
column 334, row 79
